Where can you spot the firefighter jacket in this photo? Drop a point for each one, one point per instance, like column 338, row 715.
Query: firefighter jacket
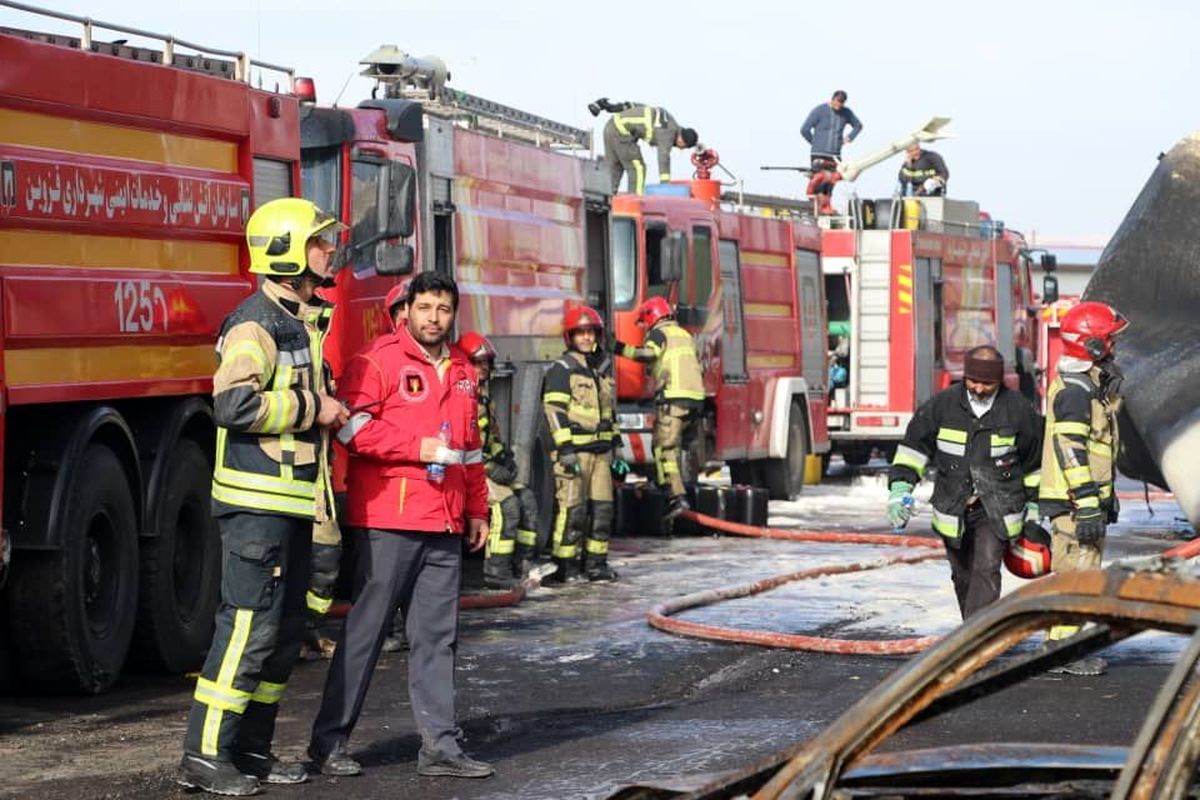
column 579, row 398
column 271, row 456
column 671, row 353
column 928, row 165
column 399, row 395
column 656, row 126
column 1081, row 444
column 993, row 458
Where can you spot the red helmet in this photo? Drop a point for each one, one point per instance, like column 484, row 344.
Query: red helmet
column 1088, row 330
column 653, row 310
column 396, row 295
column 578, row 317
column 477, row 346
column 1028, row 556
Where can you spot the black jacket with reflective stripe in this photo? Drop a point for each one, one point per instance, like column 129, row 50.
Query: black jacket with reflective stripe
column 995, row 457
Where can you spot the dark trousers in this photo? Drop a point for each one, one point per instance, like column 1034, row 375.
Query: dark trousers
column 975, row 563
column 259, row 627
column 422, row 573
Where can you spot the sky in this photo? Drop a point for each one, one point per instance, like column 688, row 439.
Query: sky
column 1059, row 108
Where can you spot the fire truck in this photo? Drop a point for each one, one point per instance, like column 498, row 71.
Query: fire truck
column 508, row 203
column 912, row 284
column 749, row 287
column 122, row 249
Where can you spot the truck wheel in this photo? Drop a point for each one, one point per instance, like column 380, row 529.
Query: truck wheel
column 785, row 476
column 180, row 568
column 741, row 472
column 72, row 610
column 856, row 454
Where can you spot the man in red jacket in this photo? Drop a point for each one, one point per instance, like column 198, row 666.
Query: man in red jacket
column 415, row 487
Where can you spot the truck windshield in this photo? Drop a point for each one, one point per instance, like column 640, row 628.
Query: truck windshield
column 624, row 263
column 321, row 179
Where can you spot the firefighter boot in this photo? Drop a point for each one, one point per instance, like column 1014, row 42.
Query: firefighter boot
column 522, row 561
column 568, row 570
column 215, row 777
column 599, row 570
column 498, row 572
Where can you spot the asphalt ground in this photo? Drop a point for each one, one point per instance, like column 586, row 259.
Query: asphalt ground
column 571, row 694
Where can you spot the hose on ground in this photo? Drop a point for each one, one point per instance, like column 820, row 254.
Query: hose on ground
column 662, row 615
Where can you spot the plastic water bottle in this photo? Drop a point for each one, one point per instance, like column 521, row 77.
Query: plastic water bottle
column 436, row 473
column 908, row 501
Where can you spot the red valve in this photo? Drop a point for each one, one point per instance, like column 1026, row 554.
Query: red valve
column 704, row 161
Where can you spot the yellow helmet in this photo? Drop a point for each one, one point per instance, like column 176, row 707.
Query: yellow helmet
column 277, row 234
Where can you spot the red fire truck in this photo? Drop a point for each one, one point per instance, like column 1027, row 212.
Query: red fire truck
column 507, row 203
column 121, row 251
column 911, row 287
column 749, row 287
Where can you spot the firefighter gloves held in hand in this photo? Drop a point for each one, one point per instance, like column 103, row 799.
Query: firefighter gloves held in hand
column 619, row 467
column 1089, row 525
column 899, row 509
column 569, row 461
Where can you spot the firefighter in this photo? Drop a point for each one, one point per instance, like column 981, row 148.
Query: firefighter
column 415, row 489
column 580, row 405
column 923, row 173
column 678, row 391
column 512, row 533
column 986, row 442
column 629, row 123
column 270, row 486
column 1078, row 473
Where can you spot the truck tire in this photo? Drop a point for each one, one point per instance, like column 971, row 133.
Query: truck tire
column 741, row 472
column 180, row 568
column 784, row 477
column 71, row 611
column 856, row 454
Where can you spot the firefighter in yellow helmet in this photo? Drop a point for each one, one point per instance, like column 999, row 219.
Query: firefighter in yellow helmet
column 1080, row 450
column 273, row 408
column 579, row 399
column 679, row 391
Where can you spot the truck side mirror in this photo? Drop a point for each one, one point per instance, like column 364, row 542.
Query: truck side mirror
column 1049, row 288
column 402, row 200
column 393, row 259
column 672, row 252
column 1049, row 262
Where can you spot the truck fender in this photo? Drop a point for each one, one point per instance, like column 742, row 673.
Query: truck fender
column 50, row 471
column 781, row 394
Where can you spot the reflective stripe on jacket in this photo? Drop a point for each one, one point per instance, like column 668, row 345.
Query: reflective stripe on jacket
column 271, row 457
column 654, row 125
column 994, row 457
column 1081, row 445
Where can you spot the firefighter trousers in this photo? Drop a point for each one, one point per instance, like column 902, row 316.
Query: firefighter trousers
column 512, row 533
column 326, row 559
column 1068, row 555
column 575, row 494
column 671, row 421
column 623, row 155
column 259, row 627
column 975, row 563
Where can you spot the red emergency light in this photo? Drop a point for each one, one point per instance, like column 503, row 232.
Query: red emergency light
column 305, row 90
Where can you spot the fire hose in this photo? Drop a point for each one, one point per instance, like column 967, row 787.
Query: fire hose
column 662, row 615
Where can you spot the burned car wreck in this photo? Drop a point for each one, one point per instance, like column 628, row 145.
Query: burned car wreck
column 992, row 655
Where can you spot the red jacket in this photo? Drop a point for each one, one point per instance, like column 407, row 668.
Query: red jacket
column 402, row 401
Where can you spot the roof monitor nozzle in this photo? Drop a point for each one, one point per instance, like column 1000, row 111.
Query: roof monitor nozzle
column 395, row 70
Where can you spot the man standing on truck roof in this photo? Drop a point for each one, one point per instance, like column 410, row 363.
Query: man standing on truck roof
column 273, row 409
column 825, row 129
column 629, row 123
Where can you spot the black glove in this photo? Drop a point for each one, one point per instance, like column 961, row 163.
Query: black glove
column 502, row 471
column 1089, row 525
column 598, row 105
